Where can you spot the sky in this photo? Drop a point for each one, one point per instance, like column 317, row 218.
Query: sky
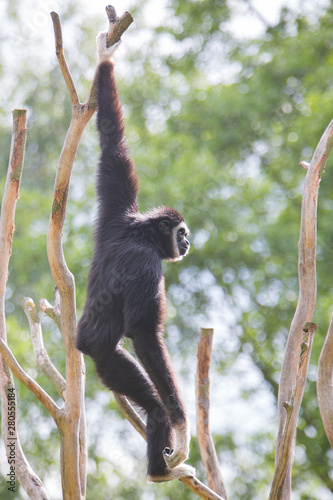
column 36, row 31
column 245, row 23
column 35, row 35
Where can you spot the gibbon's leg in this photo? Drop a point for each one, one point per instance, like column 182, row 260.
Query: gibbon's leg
column 154, row 356
column 121, row 373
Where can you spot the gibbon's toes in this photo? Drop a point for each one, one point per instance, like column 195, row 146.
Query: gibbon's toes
column 174, row 457
column 178, row 472
column 168, row 451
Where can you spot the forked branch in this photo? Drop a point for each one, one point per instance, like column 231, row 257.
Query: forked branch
column 306, row 301
column 72, row 430
column 41, row 355
column 30, row 383
column 205, row 441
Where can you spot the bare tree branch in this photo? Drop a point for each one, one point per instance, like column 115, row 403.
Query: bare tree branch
column 200, row 489
column 129, row 412
column 30, row 383
column 307, row 291
column 305, row 165
column 50, row 311
column 324, row 384
column 117, row 25
column 325, row 364
column 292, row 407
column 72, row 433
column 205, row 441
column 83, row 450
column 9, row 200
column 24, row 473
column 41, row 355
column 62, row 61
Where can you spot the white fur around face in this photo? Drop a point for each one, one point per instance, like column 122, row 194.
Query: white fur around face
column 177, row 257
column 105, row 53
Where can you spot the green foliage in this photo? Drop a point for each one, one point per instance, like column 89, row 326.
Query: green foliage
column 225, row 151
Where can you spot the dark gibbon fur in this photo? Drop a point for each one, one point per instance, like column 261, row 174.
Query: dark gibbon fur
column 126, row 293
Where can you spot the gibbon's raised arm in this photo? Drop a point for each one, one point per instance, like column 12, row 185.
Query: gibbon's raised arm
column 117, row 182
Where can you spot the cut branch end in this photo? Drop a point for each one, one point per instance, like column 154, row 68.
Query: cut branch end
column 305, row 165
column 57, row 31
column 117, row 26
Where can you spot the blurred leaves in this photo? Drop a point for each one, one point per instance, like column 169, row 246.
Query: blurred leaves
column 217, row 126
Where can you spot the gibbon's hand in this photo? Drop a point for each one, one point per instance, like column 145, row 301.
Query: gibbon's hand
column 105, row 53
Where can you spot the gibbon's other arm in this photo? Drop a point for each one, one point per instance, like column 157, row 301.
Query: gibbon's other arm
column 117, row 182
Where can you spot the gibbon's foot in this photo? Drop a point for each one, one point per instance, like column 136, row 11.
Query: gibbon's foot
column 105, row 53
column 175, row 458
column 178, row 472
column 181, row 452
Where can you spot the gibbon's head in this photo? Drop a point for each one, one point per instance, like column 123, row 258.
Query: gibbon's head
column 171, row 231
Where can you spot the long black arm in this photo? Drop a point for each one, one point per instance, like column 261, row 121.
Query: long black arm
column 117, row 182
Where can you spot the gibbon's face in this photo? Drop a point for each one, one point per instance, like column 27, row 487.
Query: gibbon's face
column 174, row 239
